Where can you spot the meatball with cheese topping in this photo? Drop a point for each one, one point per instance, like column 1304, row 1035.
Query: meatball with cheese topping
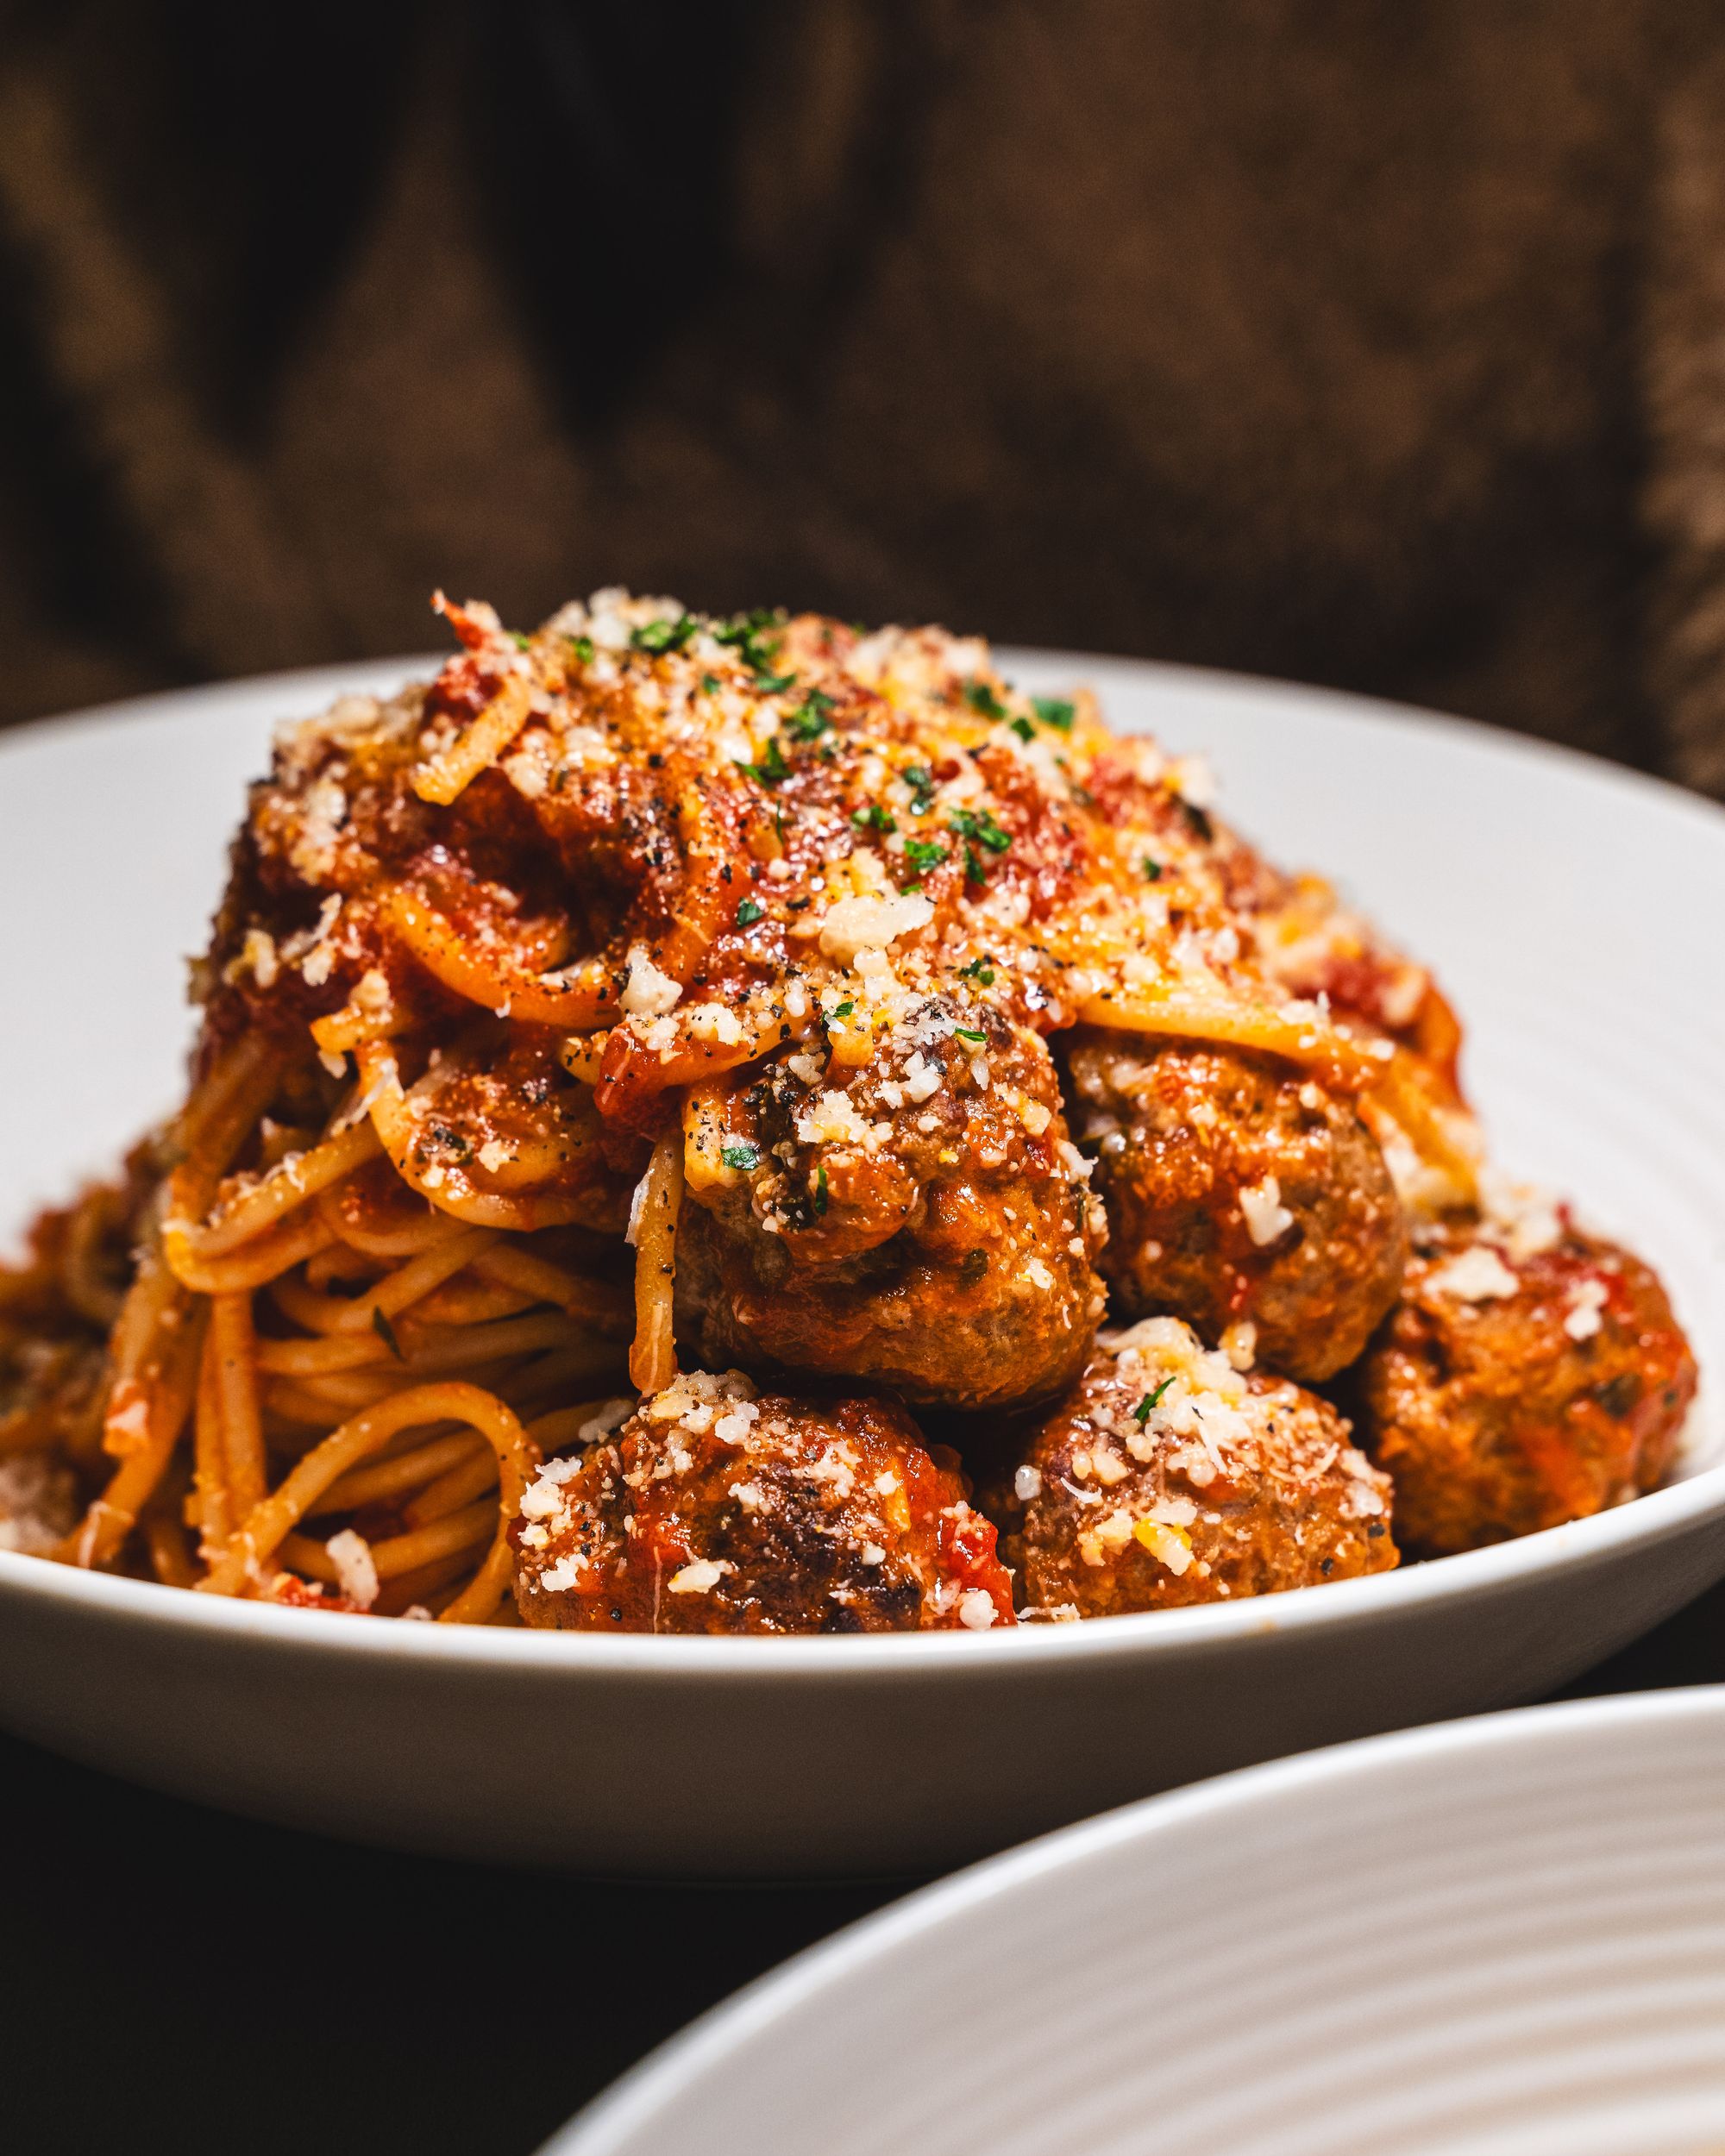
column 1239, row 1192
column 920, row 1222
column 715, row 1509
column 1171, row 1477
column 1528, row 1375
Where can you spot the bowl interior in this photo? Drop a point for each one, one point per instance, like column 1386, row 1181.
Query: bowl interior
column 1502, row 1938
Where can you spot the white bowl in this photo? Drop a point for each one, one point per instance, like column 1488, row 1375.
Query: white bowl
column 1570, row 908
column 1503, row 1938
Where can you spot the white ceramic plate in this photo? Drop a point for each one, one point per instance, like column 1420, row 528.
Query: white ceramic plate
column 1503, row 1938
column 1571, row 909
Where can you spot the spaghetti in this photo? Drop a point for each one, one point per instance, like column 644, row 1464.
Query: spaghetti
column 497, row 960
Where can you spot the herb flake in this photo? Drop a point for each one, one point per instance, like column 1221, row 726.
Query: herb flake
column 663, row 636
column 1141, row 1413
column 982, row 699
column 772, row 766
column 983, row 828
column 747, row 635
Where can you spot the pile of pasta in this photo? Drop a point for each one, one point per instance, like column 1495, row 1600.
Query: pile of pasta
column 492, row 954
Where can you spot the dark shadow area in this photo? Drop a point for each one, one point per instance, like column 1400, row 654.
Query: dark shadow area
column 176, row 1979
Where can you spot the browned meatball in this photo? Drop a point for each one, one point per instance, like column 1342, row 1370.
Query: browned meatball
column 1514, row 1389
column 920, row 1223
column 716, row 1510
column 1238, row 1190
column 1171, row 1477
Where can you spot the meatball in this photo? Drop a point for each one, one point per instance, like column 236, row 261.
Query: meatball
column 1239, row 1190
column 716, row 1510
column 1514, row 1389
column 1171, row 1477
column 920, row 1223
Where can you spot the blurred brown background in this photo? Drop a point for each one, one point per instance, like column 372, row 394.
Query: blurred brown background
column 1381, row 346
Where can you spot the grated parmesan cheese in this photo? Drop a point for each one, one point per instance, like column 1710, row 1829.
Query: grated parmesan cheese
column 1478, row 1274
column 830, row 1119
column 1587, row 1298
column 1266, row 1217
column 600, row 1424
column 351, row 1555
column 700, row 1577
column 648, row 992
column 871, row 923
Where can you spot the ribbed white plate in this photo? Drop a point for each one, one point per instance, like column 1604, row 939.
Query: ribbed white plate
column 1572, row 910
column 1502, row 1938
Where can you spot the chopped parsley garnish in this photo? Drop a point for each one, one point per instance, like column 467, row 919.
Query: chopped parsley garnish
column 747, row 635
column 820, row 1190
column 664, row 635
column 710, row 683
column 772, row 766
column 965, row 1034
column 1057, row 711
column 583, row 649
column 1153, row 869
column 1142, row 1412
column 386, row 1332
column 923, row 853
column 973, row 870
column 752, row 910
column 844, row 1009
column 740, row 1155
column 521, row 642
column 812, row 721
column 775, row 684
column 1022, row 729
column 874, row 817
column 982, row 700
column 983, row 828
column 920, row 780
column 979, row 969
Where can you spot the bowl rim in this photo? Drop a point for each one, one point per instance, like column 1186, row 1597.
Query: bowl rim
column 1342, row 1605
column 634, row 2099
column 1686, row 1505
